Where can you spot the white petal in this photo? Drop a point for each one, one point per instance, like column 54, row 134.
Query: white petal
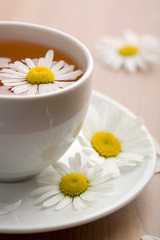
column 50, row 87
column 75, row 163
column 136, row 148
column 132, row 127
column 46, row 196
column 90, row 172
column 48, row 59
column 101, row 179
column 141, row 65
column 126, row 158
column 41, row 62
column 57, row 66
column 133, row 136
column 110, row 166
column 6, row 208
column 62, row 168
column 14, row 84
column 44, row 189
column 21, row 89
column 32, row 90
column 87, row 132
column 14, row 73
column 54, row 200
column 130, row 66
column 92, row 122
column 53, row 87
column 112, row 116
column 116, row 63
column 13, row 80
column 66, row 69
column 89, row 151
column 30, row 63
column 6, row 75
column 19, row 66
column 104, row 188
column 62, row 84
column 88, row 196
column 47, row 87
column 78, row 203
column 84, row 142
column 68, row 76
column 42, row 89
column 96, row 159
column 140, row 143
column 130, row 156
column 63, row 203
column 130, row 37
column 49, row 178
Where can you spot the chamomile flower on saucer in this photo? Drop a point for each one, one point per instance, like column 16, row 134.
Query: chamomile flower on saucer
column 37, row 76
column 132, row 52
column 112, row 139
column 74, row 184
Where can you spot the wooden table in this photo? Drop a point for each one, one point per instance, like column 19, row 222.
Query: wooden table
column 87, row 20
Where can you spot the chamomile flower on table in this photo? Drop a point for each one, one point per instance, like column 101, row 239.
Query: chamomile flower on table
column 37, row 76
column 112, row 139
column 132, row 52
column 75, row 184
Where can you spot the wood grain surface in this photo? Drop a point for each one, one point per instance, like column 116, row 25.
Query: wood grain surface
column 87, row 20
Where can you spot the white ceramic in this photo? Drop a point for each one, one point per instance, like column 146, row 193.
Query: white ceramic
column 37, row 130
column 30, row 218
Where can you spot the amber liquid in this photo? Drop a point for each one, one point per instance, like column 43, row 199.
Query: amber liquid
column 17, row 50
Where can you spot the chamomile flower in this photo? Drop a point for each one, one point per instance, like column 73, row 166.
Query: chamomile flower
column 131, row 52
column 37, row 76
column 74, row 184
column 112, row 139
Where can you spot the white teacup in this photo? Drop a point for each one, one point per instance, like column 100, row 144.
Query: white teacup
column 36, row 130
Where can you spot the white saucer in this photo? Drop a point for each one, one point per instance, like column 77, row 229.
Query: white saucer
column 29, row 218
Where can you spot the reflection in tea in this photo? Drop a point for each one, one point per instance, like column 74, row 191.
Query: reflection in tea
column 28, row 68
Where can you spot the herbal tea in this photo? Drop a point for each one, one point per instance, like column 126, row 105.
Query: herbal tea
column 31, row 69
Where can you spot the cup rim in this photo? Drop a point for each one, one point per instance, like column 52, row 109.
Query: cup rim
column 82, row 79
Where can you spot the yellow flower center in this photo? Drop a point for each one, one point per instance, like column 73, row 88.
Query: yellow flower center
column 106, row 144
column 40, row 75
column 74, row 184
column 128, row 50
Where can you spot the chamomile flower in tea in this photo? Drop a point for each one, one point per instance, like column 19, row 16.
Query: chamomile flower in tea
column 37, row 76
